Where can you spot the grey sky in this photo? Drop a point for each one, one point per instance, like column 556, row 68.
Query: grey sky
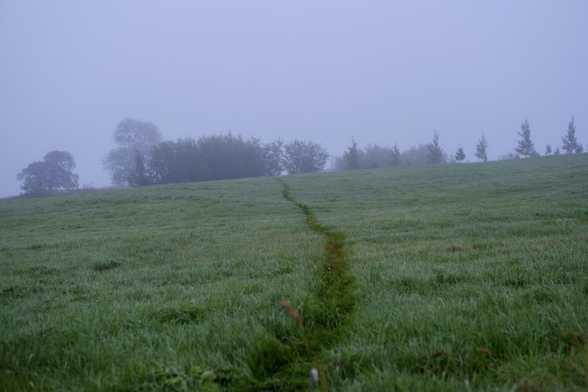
column 381, row 71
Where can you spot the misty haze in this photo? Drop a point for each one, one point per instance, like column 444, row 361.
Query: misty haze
column 291, row 196
column 380, row 73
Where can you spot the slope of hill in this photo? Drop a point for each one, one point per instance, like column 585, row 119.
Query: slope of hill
column 455, row 277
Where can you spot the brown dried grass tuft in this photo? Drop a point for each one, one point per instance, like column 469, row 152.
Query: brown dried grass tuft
column 459, row 248
column 292, row 312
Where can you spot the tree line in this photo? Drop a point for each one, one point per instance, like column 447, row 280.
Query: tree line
column 373, row 155
column 142, row 157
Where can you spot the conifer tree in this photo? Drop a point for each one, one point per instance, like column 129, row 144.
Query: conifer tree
column 481, row 149
column 395, row 156
column 460, row 155
column 570, row 143
column 351, row 156
column 435, row 154
column 525, row 147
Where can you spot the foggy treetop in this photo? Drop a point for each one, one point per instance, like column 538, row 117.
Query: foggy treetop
column 382, row 72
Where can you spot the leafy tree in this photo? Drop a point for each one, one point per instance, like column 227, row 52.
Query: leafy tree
column 304, row 157
column 54, row 172
column 273, row 154
column 371, row 157
column 481, row 149
column 548, row 150
column 570, row 143
column 556, row 152
column 435, row 154
column 228, row 156
column 416, row 156
column 525, row 147
column 395, row 155
column 215, row 157
column 351, row 156
column 374, row 156
column 460, row 155
column 131, row 135
column 177, row 161
column 139, row 177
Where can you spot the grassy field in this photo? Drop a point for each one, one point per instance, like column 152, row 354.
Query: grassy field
column 439, row 278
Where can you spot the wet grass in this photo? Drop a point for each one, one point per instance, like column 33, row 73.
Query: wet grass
column 321, row 321
column 464, row 261
column 464, row 277
column 106, row 292
column 334, row 290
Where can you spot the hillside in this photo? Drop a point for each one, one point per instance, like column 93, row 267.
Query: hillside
column 444, row 278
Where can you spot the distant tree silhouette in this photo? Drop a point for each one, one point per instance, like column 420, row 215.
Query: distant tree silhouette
column 481, row 149
column 273, row 155
column 395, row 155
column 435, row 154
column 525, row 147
column 415, row 156
column 460, row 155
column 138, row 176
column 570, row 143
column 177, row 161
column 54, row 172
column 131, row 135
column 374, row 156
column 215, row 157
column 351, row 156
column 228, row 156
column 304, row 157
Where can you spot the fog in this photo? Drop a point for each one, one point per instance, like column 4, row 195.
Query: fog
column 381, row 71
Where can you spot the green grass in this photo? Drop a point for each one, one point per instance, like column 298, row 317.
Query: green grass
column 456, row 277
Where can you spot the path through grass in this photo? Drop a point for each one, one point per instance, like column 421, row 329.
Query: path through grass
column 465, row 277
column 465, row 260
column 149, row 288
column 333, row 298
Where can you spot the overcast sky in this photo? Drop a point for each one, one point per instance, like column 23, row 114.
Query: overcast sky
column 382, row 71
